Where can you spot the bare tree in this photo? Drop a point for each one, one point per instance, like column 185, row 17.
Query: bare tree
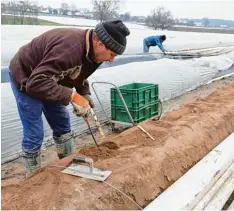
column 19, row 9
column 73, row 9
column 3, row 7
column 206, row 22
column 64, row 8
column 33, row 13
column 104, row 10
column 50, row 9
column 55, row 12
column 176, row 21
column 190, row 23
column 126, row 16
column 13, row 7
column 160, row 18
column 23, row 6
column 3, row 17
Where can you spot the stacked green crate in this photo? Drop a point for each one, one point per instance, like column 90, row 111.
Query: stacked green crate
column 140, row 98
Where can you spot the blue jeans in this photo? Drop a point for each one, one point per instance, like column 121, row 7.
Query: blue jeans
column 30, row 111
column 145, row 47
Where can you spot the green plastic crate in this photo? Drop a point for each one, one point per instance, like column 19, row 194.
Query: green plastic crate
column 136, row 95
column 119, row 113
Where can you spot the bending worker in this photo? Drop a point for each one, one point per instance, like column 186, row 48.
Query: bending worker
column 43, row 74
column 153, row 41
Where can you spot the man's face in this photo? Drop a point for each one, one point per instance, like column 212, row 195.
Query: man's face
column 103, row 54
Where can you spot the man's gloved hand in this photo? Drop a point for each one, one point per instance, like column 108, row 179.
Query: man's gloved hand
column 80, row 111
column 88, row 97
column 164, row 52
column 80, row 105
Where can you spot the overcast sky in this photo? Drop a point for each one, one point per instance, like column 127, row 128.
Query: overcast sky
column 222, row 9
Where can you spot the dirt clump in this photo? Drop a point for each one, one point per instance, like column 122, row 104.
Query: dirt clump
column 105, row 150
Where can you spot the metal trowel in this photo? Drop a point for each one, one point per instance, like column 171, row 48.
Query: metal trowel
column 88, row 172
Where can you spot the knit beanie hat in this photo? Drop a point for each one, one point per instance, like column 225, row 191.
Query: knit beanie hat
column 163, row 37
column 113, row 35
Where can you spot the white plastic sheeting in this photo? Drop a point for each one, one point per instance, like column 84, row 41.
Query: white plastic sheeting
column 13, row 37
column 174, row 77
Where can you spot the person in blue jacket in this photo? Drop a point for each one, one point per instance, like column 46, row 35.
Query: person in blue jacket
column 153, row 41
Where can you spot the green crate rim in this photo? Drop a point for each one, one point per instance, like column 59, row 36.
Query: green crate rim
column 125, row 89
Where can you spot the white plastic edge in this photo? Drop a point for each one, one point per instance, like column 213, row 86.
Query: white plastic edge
column 187, row 191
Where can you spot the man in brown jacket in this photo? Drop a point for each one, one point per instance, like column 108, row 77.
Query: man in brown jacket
column 43, row 74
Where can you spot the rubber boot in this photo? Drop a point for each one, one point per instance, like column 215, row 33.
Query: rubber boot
column 64, row 144
column 32, row 161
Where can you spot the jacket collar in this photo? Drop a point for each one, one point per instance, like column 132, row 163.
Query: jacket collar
column 89, row 46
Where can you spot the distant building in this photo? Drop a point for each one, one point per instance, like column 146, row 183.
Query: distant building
column 43, row 10
column 198, row 24
column 78, row 13
column 224, row 26
column 183, row 21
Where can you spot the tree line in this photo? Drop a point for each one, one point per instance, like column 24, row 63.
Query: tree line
column 103, row 10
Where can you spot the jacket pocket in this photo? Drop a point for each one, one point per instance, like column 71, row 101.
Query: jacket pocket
column 76, row 72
